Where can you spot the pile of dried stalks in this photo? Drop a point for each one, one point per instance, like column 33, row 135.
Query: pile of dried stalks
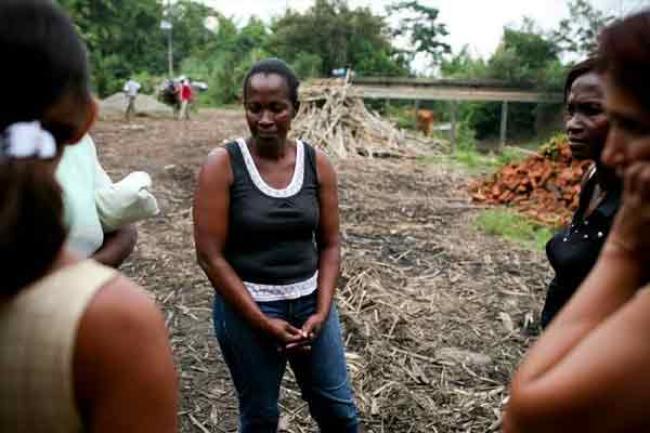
column 334, row 118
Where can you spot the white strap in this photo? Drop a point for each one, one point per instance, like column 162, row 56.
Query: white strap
column 297, row 179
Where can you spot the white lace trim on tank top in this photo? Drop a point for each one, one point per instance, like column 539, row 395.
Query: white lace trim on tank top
column 281, row 292
column 271, row 292
column 296, row 181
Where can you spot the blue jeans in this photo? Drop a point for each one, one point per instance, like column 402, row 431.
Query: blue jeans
column 257, row 368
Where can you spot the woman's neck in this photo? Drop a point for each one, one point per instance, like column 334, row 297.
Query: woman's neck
column 273, row 150
column 606, row 178
column 64, row 258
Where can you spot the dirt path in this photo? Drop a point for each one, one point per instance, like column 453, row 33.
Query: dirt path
column 435, row 314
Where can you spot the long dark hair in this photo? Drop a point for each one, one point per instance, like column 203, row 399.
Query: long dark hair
column 624, row 54
column 43, row 61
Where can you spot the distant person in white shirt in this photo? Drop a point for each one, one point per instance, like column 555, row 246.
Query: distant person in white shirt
column 131, row 89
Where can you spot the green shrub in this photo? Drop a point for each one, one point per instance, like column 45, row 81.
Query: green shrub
column 402, row 115
column 513, row 226
column 510, row 155
column 148, row 81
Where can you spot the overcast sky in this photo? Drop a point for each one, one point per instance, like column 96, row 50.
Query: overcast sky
column 476, row 23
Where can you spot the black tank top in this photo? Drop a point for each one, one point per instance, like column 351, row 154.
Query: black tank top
column 272, row 233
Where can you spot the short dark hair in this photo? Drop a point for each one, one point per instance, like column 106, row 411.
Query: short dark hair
column 43, row 61
column 273, row 65
column 624, row 54
column 578, row 70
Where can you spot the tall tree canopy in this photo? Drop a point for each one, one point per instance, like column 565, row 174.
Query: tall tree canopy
column 225, row 58
column 525, row 56
column 123, row 36
column 578, row 34
column 420, row 25
column 191, row 33
column 330, row 35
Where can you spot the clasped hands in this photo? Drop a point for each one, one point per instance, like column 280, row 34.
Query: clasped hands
column 292, row 339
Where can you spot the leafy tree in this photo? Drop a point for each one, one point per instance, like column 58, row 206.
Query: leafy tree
column 190, row 33
column 578, row 34
column 338, row 36
column 123, row 37
column 463, row 66
column 225, row 58
column 422, row 29
column 525, row 57
column 307, row 65
column 522, row 56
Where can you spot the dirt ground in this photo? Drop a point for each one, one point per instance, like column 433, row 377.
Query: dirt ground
column 435, row 315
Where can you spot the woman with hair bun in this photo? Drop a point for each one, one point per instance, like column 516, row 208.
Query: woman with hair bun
column 82, row 348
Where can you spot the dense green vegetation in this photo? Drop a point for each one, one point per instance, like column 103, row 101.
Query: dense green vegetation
column 125, row 39
column 524, row 57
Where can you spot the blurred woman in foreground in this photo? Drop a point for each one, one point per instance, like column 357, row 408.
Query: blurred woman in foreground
column 590, row 371
column 82, row 348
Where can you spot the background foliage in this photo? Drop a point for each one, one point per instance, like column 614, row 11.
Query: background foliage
column 125, row 39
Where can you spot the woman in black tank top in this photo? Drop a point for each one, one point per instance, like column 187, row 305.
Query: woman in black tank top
column 266, row 228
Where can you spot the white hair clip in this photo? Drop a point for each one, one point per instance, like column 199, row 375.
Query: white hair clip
column 28, row 140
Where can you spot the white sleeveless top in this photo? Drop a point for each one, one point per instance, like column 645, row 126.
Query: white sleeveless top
column 38, row 329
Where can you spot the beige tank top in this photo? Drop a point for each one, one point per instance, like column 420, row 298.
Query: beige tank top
column 38, row 331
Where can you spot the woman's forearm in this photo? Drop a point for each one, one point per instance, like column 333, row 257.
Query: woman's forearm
column 609, row 287
column 613, row 282
column 117, row 246
column 329, row 263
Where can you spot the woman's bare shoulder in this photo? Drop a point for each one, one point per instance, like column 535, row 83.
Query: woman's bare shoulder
column 122, row 311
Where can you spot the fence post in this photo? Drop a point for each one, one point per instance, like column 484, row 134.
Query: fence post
column 454, row 115
column 504, row 125
column 416, row 106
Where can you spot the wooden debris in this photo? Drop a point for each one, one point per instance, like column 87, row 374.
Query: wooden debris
column 334, row 118
column 544, row 186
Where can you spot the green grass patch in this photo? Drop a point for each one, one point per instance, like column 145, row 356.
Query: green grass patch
column 510, row 155
column 477, row 163
column 474, row 161
column 470, row 161
column 513, row 226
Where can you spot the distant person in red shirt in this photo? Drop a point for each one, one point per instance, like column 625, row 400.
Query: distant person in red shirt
column 186, row 95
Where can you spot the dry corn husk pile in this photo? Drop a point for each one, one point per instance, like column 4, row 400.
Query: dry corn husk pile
column 334, row 118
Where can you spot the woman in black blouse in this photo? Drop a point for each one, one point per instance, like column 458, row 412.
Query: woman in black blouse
column 573, row 252
column 590, row 370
